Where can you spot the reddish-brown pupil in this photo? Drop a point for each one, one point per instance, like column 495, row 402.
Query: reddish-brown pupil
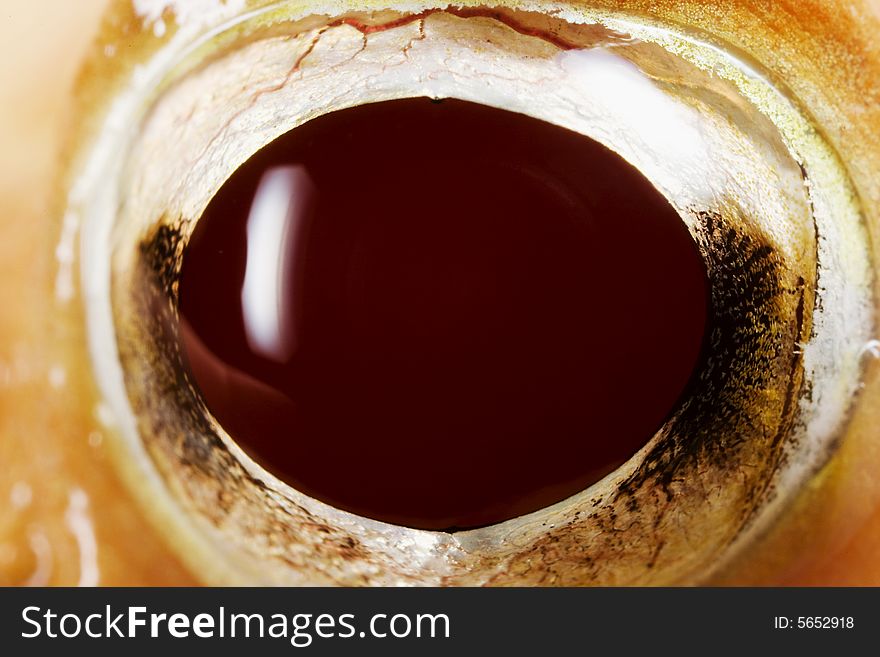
column 441, row 315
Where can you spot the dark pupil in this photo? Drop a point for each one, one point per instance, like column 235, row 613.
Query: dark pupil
column 440, row 315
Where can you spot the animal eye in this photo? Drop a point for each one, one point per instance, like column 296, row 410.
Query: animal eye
column 402, row 340
column 468, row 296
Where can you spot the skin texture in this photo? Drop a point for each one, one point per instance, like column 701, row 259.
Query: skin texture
column 66, row 519
column 57, row 491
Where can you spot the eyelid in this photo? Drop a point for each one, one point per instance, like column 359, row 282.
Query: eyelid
column 208, row 180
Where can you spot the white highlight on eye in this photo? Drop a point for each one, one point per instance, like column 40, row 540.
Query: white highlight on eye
column 185, row 11
column 275, row 226
column 104, row 415
column 21, row 495
column 79, row 523
column 624, row 91
column 21, row 369
column 42, row 550
column 870, row 348
column 57, row 376
column 64, row 254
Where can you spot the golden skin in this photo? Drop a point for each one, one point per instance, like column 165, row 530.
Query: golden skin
column 57, row 486
column 45, row 449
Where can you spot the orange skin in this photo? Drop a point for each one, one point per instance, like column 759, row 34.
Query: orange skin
column 44, row 430
column 57, row 487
